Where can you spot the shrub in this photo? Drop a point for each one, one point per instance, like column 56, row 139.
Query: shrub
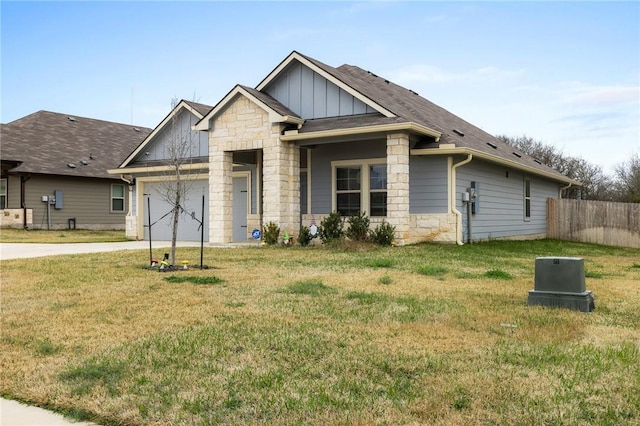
column 358, row 227
column 271, row 233
column 383, row 234
column 331, row 228
column 304, row 236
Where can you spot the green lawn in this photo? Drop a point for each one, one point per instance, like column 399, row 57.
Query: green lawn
column 426, row 334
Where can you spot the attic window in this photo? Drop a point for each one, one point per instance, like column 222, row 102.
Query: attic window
column 458, row 132
column 492, row 145
column 517, row 155
column 71, row 118
column 71, row 165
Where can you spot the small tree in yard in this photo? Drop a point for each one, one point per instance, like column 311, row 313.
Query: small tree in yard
column 178, row 153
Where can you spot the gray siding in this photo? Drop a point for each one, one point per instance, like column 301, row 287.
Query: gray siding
column 180, row 131
column 321, row 158
column 428, row 191
column 501, row 201
column 310, row 95
column 86, row 199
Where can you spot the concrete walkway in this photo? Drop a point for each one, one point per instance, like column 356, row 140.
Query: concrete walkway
column 13, row 413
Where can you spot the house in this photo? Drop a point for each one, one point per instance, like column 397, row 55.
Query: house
column 54, row 171
column 311, row 139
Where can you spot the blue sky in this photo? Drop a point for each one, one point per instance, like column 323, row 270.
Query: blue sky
column 565, row 73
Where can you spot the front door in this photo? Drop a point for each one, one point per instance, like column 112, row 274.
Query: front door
column 240, row 203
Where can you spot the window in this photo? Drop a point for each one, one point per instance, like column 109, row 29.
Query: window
column 527, row 199
column 348, row 185
column 360, row 187
column 3, row 193
column 117, row 198
column 378, row 190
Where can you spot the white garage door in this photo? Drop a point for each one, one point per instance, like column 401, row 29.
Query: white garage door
column 190, row 217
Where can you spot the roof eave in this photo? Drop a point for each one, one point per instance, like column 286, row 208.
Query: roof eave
column 294, row 135
column 495, row 159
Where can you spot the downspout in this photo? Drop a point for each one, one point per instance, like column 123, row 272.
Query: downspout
column 452, row 197
column 23, row 204
column 129, row 180
column 562, row 189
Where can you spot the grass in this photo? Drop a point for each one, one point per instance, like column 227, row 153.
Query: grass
column 441, row 335
column 10, row 235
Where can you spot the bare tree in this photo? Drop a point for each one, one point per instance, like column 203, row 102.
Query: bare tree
column 180, row 144
column 596, row 185
column 628, row 180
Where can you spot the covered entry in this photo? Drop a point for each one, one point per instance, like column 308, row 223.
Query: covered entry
column 188, row 225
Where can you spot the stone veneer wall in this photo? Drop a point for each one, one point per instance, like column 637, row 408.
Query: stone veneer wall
column 14, row 218
column 398, row 185
column 242, row 126
column 437, row 227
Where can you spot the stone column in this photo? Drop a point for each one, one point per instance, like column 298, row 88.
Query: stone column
column 281, row 183
column 220, row 193
column 398, row 185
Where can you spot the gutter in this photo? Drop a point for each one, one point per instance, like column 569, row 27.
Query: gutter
column 452, row 196
column 452, row 150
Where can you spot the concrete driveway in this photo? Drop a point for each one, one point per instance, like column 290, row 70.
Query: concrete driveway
column 28, row 250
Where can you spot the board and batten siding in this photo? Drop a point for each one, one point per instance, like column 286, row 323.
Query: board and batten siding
column 428, row 186
column 157, row 149
column 87, row 200
column 310, row 95
column 501, row 201
column 321, row 158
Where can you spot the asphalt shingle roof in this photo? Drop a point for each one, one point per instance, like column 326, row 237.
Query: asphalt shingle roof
column 46, row 142
column 409, row 106
column 202, row 109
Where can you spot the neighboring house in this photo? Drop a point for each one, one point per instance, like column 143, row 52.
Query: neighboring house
column 54, row 171
column 311, row 139
column 148, row 165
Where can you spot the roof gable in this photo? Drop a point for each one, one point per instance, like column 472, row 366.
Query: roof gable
column 278, row 113
column 196, row 109
column 325, row 71
column 60, row 144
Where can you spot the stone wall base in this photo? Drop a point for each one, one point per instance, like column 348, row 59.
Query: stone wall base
column 14, row 218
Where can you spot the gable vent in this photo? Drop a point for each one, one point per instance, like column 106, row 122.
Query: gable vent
column 517, row 155
column 458, row 132
column 492, row 145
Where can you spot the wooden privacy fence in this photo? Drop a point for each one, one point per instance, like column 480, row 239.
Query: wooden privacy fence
column 601, row 222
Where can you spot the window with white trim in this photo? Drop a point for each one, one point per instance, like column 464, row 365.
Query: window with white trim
column 3, row 193
column 527, row 199
column 117, row 198
column 360, row 186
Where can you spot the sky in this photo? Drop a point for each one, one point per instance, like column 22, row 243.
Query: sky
column 563, row 73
